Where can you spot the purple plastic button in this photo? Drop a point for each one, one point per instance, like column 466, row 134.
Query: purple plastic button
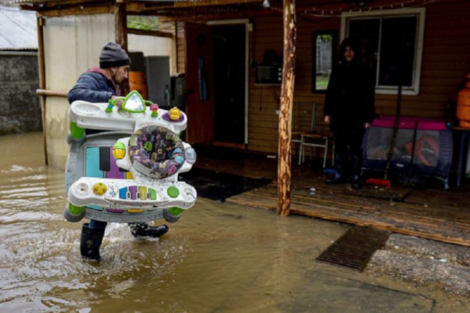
column 111, row 210
column 133, row 191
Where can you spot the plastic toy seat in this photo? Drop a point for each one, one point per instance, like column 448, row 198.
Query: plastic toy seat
column 156, row 151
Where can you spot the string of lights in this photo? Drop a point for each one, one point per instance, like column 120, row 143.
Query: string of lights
column 336, row 11
column 319, row 11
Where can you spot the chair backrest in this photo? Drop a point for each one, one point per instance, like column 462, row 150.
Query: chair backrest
column 304, row 116
column 313, row 122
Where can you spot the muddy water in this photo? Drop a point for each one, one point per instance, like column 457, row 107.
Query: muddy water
column 219, row 257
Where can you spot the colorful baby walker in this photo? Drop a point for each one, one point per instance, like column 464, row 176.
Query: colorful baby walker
column 128, row 172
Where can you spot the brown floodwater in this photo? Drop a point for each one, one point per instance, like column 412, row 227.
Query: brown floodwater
column 219, row 257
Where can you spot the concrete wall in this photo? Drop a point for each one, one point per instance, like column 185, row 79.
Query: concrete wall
column 73, row 44
column 20, row 110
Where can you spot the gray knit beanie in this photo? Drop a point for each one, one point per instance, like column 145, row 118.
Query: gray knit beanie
column 112, row 55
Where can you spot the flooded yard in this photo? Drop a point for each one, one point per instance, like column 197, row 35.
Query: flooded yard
column 220, row 257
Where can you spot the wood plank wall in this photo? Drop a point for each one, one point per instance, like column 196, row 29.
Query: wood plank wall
column 445, row 62
column 180, row 47
column 264, row 100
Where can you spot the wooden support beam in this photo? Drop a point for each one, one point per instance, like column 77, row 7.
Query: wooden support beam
column 76, row 11
column 154, row 33
column 285, row 114
column 186, row 4
column 120, row 35
column 42, row 81
column 51, row 93
column 176, row 47
column 120, row 25
column 135, row 8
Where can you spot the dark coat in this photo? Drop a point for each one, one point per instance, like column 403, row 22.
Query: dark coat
column 350, row 97
column 93, row 86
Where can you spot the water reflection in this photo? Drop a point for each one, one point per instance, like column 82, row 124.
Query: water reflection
column 219, row 257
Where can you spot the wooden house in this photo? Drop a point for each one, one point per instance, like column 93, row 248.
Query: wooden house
column 231, row 55
column 230, row 52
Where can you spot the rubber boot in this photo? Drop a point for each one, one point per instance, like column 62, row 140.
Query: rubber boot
column 338, row 178
column 357, row 168
column 140, row 230
column 90, row 242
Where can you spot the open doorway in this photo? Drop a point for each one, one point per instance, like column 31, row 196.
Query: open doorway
column 229, row 84
column 216, row 83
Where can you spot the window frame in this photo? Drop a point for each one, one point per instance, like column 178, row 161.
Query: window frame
column 420, row 14
column 334, row 47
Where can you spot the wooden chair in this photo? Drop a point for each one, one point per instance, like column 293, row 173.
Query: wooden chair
column 296, row 135
column 301, row 121
column 314, row 139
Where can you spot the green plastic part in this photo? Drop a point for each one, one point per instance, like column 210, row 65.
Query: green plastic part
column 111, row 104
column 153, row 194
column 175, row 211
column 119, row 145
column 76, row 210
column 173, row 192
column 148, row 146
column 133, row 103
column 76, row 132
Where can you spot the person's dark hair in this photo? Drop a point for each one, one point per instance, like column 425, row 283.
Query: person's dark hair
column 352, row 43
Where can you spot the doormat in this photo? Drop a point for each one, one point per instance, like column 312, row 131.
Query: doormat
column 219, row 186
column 355, row 248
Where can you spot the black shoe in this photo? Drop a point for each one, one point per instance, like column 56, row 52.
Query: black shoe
column 337, row 179
column 357, row 183
column 143, row 230
column 90, row 242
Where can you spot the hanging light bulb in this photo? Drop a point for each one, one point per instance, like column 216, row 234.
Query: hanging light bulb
column 266, row 4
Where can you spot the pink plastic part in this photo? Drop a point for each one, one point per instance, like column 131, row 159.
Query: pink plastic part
column 408, row 122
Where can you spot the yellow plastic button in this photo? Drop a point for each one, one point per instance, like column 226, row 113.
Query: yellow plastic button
column 135, row 211
column 99, row 189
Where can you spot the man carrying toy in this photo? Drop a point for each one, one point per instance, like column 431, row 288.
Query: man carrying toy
column 100, row 84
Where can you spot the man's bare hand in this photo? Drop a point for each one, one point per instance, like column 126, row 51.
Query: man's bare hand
column 117, row 102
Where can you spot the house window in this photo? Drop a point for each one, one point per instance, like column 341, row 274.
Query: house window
column 391, row 43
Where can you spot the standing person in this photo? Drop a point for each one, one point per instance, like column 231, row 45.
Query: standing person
column 100, row 84
column 349, row 110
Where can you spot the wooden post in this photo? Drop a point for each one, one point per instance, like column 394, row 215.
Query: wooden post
column 42, row 81
column 120, row 34
column 285, row 113
column 120, row 25
column 176, row 47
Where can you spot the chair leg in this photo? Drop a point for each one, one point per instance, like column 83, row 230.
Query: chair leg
column 301, row 147
column 333, row 160
column 325, row 153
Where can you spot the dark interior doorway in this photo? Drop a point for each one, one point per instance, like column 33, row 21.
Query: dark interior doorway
column 229, row 83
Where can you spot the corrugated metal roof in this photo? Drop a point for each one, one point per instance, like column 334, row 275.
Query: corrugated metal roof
column 40, row 1
column 17, row 29
column 30, row 1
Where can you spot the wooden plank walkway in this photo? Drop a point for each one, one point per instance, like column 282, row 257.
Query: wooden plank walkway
column 431, row 213
column 427, row 214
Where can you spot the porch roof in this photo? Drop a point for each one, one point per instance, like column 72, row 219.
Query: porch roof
column 170, row 9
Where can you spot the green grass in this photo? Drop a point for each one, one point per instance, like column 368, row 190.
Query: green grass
column 321, row 81
column 143, row 22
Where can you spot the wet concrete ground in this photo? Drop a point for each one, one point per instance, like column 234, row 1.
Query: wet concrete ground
column 220, row 257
